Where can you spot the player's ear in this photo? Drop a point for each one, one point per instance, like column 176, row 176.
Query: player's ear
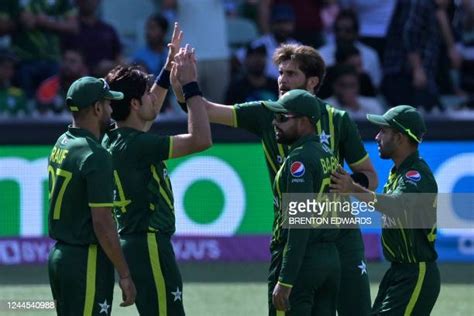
column 97, row 107
column 399, row 138
column 135, row 104
column 312, row 83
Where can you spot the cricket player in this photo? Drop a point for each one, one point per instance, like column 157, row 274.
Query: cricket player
column 81, row 263
column 412, row 284
column 305, row 269
column 144, row 205
column 301, row 67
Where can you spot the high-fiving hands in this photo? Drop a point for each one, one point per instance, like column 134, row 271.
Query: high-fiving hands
column 184, row 66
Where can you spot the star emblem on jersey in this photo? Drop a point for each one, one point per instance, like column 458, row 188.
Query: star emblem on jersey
column 104, row 307
column 323, row 138
column 363, row 267
column 177, row 295
column 297, row 169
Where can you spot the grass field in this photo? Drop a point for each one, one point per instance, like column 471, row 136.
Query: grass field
column 240, row 298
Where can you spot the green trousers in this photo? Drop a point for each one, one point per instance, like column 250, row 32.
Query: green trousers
column 81, row 279
column 408, row 289
column 316, row 287
column 154, row 270
column 354, row 289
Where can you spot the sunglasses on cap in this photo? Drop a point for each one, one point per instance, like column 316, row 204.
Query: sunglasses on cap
column 282, row 118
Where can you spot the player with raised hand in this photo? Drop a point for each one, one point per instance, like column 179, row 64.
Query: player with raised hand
column 144, row 204
column 301, row 67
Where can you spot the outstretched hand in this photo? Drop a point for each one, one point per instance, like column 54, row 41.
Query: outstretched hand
column 341, row 181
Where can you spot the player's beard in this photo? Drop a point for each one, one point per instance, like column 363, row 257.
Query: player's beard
column 386, row 149
column 283, row 89
column 105, row 124
column 285, row 138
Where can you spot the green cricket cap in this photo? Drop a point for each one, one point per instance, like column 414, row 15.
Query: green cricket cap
column 403, row 118
column 85, row 91
column 296, row 101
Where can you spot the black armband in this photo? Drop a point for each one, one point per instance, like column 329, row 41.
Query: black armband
column 191, row 90
column 183, row 106
column 361, row 179
column 163, row 79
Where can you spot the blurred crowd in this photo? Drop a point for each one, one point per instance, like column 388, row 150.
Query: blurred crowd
column 378, row 53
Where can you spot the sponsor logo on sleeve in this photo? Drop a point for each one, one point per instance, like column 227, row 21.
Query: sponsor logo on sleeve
column 297, row 169
column 413, row 175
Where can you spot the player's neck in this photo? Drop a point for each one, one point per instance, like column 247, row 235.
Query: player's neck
column 134, row 122
column 88, row 125
column 401, row 155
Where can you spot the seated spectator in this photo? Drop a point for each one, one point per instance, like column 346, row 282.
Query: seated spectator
column 346, row 29
column 13, row 101
column 97, row 39
column 51, row 93
column 348, row 54
column 253, row 84
column 346, row 94
column 282, row 27
column 39, row 25
column 153, row 55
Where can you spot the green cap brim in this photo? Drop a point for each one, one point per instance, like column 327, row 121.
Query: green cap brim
column 274, row 106
column 113, row 95
column 377, row 120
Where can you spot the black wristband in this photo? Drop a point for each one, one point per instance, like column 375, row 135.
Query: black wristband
column 163, row 79
column 361, row 179
column 183, row 106
column 191, row 90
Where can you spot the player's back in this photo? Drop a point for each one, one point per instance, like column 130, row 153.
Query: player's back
column 75, row 160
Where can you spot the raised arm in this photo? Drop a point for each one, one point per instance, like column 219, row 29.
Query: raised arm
column 217, row 113
column 161, row 84
column 198, row 137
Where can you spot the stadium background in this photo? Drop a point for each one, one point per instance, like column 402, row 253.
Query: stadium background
column 224, row 214
column 223, row 207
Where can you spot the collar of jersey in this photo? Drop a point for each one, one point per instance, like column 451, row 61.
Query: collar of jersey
column 409, row 161
column 303, row 140
column 80, row 132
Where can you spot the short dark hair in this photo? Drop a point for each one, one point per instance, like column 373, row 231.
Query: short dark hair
column 309, row 60
column 160, row 20
column 132, row 82
column 348, row 14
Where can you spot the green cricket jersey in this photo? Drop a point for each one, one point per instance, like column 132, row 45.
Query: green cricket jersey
column 335, row 129
column 80, row 177
column 143, row 194
column 404, row 195
column 307, row 169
